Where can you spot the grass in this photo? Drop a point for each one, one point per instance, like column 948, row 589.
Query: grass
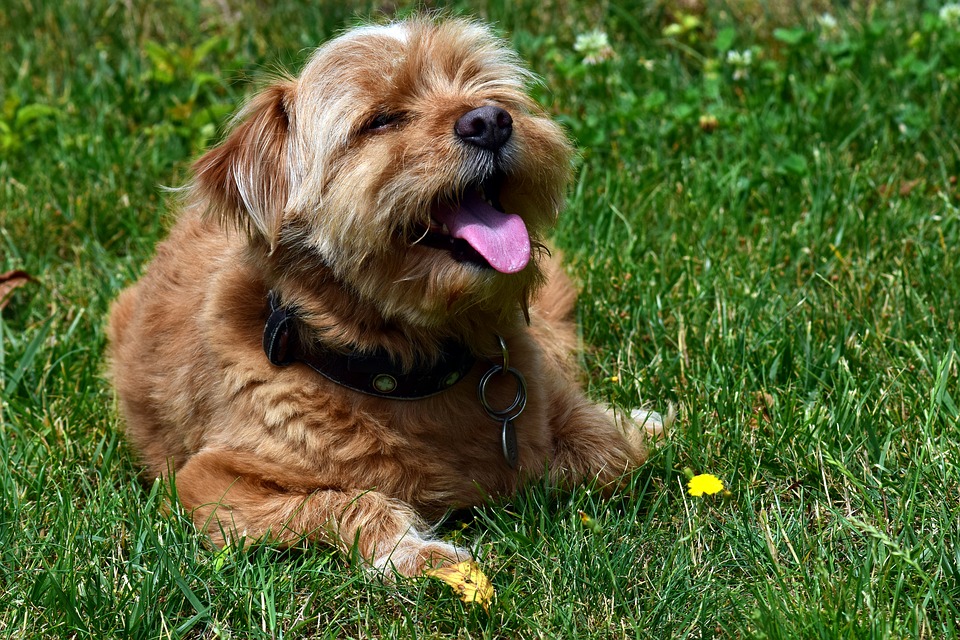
column 771, row 244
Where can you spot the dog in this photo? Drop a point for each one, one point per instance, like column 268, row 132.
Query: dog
column 355, row 325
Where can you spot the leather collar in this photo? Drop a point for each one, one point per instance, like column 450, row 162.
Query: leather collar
column 374, row 373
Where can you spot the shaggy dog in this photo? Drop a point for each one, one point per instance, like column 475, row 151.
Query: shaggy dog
column 354, row 325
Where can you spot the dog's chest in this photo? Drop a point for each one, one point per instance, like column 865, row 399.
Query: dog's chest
column 445, row 449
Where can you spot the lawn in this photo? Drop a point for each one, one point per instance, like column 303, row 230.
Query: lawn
column 765, row 224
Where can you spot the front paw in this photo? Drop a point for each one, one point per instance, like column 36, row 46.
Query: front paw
column 652, row 423
column 413, row 555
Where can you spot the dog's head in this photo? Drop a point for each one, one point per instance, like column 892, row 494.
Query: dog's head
column 406, row 158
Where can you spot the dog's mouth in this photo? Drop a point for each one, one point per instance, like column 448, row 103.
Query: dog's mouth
column 476, row 230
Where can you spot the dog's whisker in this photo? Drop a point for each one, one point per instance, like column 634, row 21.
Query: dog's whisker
column 423, row 236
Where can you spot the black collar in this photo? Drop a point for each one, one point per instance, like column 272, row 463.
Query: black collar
column 375, row 374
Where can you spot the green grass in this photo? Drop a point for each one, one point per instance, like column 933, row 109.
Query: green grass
column 775, row 253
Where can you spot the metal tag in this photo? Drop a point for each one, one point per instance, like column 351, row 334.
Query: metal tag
column 508, row 439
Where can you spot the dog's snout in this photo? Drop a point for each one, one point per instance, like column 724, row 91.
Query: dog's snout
column 487, row 127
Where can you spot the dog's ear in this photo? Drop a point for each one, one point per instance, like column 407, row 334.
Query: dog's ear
column 246, row 179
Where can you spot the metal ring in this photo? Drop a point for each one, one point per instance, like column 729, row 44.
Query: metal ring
column 519, row 402
column 505, row 353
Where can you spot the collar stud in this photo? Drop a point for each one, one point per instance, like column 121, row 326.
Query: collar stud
column 385, row 383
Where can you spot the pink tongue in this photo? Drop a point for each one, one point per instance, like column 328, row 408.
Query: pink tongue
column 501, row 238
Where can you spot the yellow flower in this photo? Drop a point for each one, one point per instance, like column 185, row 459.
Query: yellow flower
column 589, row 522
column 468, row 581
column 704, row 484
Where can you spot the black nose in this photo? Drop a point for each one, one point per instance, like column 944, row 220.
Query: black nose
column 487, row 127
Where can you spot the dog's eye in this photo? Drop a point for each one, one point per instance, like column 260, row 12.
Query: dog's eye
column 383, row 121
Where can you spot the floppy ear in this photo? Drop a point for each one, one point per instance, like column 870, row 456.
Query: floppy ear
column 246, row 178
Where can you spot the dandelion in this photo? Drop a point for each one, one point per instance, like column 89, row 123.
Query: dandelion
column 740, row 61
column 467, row 581
column 595, row 47
column 704, row 484
column 950, row 15
column 589, row 522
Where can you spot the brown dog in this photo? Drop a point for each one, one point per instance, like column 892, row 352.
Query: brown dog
column 354, row 325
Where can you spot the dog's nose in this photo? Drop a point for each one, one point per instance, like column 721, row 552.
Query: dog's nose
column 488, row 127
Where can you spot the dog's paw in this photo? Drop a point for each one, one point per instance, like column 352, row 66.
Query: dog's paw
column 655, row 425
column 413, row 555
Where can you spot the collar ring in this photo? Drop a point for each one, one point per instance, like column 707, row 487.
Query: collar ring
column 519, row 403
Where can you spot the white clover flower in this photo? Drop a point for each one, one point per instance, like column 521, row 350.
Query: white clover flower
column 829, row 27
column 595, row 47
column 950, row 15
column 740, row 58
column 827, row 22
column 740, row 61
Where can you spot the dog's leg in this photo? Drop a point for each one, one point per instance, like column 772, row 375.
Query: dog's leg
column 233, row 494
column 592, row 442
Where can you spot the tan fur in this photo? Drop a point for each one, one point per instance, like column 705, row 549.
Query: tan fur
column 303, row 199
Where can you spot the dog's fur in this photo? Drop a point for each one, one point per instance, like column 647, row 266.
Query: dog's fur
column 319, row 194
